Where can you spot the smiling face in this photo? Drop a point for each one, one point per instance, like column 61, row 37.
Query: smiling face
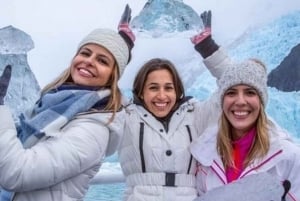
column 159, row 93
column 241, row 106
column 92, row 66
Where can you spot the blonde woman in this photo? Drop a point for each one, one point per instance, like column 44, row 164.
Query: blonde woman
column 246, row 141
column 60, row 144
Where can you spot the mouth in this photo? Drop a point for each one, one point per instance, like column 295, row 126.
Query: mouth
column 160, row 106
column 85, row 72
column 240, row 114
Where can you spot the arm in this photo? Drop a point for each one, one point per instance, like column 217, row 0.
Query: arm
column 80, row 146
column 289, row 168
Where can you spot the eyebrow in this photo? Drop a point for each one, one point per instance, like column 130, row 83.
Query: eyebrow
column 155, row 83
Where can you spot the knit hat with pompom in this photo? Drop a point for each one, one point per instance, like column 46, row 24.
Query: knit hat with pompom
column 113, row 42
column 250, row 72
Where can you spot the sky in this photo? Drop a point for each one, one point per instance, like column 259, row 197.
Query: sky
column 57, row 26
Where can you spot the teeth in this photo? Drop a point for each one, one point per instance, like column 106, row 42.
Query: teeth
column 160, row 104
column 85, row 72
column 240, row 113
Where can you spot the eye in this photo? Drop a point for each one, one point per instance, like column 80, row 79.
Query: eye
column 153, row 88
column 84, row 53
column 169, row 88
column 230, row 92
column 103, row 60
column 251, row 92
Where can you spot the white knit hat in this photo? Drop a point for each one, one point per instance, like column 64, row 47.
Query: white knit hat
column 113, row 42
column 250, row 72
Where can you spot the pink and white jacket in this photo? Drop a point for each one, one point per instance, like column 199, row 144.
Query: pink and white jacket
column 282, row 161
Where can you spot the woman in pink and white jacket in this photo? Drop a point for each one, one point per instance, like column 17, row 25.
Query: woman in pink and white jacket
column 246, row 141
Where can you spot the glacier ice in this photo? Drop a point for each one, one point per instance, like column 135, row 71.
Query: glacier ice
column 166, row 16
column 23, row 89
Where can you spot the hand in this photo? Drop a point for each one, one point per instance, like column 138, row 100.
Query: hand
column 124, row 24
column 206, row 20
column 4, row 82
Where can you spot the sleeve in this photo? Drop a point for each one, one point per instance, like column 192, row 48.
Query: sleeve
column 217, row 62
column 116, row 132
column 206, row 47
column 78, row 147
column 207, row 113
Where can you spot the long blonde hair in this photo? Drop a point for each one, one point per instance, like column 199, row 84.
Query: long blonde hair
column 259, row 147
column 114, row 103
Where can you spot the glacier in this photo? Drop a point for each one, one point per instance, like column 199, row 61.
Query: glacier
column 165, row 16
column 23, row 89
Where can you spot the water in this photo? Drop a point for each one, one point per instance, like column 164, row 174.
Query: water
column 105, row 192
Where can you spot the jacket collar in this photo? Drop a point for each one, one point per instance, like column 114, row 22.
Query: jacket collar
column 204, row 150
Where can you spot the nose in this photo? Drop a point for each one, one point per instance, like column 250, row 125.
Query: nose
column 89, row 60
column 241, row 99
column 161, row 94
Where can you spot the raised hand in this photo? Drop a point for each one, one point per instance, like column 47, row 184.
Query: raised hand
column 4, row 82
column 124, row 28
column 206, row 20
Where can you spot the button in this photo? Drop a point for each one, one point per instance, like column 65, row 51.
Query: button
column 168, row 152
column 145, row 115
column 161, row 130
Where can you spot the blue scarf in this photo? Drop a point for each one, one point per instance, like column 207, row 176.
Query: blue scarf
column 55, row 109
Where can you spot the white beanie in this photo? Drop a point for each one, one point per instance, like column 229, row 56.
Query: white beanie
column 113, row 42
column 250, row 72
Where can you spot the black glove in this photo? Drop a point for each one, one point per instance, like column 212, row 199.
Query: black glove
column 206, row 19
column 4, row 82
column 203, row 41
column 124, row 29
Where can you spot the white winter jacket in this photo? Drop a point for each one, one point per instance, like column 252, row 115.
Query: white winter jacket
column 59, row 167
column 282, row 161
column 157, row 164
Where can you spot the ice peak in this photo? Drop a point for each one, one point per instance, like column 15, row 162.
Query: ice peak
column 14, row 41
column 166, row 16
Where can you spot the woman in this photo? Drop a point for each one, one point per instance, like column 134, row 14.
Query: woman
column 245, row 142
column 62, row 141
column 160, row 124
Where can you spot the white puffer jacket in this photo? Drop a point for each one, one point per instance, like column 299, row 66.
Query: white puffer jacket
column 59, row 167
column 157, row 163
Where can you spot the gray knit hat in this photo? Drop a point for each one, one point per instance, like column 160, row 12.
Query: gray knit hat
column 113, row 42
column 250, row 72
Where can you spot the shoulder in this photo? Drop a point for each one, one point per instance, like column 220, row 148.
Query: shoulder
column 282, row 140
column 101, row 127
column 204, row 147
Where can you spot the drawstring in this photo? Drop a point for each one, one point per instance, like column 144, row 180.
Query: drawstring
column 287, row 186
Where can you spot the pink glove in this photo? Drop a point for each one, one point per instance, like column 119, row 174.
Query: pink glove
column 124, row 24
column 206, row 19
